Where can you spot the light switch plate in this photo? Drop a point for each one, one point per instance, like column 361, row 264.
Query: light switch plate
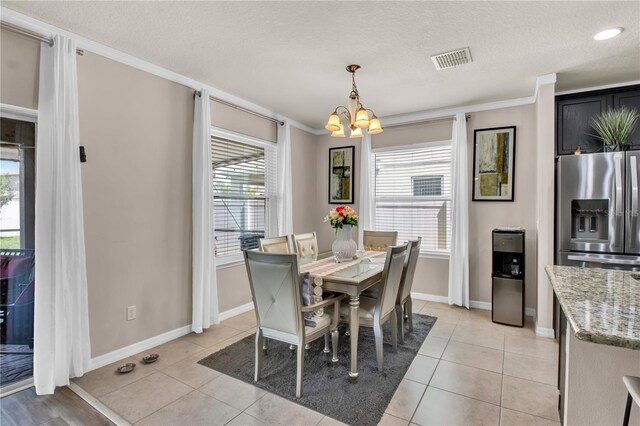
column 131, row 312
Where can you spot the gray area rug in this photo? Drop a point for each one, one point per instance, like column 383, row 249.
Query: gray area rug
column 326, row 386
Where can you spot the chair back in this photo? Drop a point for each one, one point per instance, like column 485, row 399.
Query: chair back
column 409, row 269
column 275, row 245
column 378, row 240
column 306, row 244
column 391, row 276
column 275, row 287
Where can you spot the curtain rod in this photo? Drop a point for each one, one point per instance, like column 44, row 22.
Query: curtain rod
column 239, row 108
column 426, row 120
column 26, row 33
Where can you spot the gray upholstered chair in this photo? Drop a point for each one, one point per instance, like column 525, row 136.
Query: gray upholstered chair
column 404, row 308
column 306, row 244
column 277, row 296
column 275, row 245
column 379, row 240
column 375, row 312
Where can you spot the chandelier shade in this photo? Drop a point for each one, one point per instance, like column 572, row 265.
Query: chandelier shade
column 333, row 124
column 356, row 133
column 338, row 133
column 354, row 115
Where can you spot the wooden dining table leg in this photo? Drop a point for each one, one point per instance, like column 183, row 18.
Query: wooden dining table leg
column 354, row 326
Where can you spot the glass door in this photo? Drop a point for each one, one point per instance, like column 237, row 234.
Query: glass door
column 17, row 257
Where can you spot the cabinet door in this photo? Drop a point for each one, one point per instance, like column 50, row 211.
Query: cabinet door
column 630, row 100
column 574, row 123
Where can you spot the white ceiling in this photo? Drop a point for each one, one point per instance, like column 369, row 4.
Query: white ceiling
column 290, row 56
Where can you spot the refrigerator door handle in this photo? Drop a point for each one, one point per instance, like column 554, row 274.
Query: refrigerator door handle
column 634, row 199
column 618, row 184
column 585, row 258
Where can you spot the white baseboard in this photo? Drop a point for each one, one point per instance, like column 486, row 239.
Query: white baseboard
column 118, row 354
column 475, row 304
column 99, row 406
column 545, row 332
column 235, row 311
column 429, row 297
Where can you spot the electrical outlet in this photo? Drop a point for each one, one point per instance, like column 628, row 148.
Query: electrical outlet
column 131, row 312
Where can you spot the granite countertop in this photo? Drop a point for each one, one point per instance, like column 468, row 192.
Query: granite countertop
column 602, row 305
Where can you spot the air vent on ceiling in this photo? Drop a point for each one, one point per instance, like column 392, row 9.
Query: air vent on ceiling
column 452, row 59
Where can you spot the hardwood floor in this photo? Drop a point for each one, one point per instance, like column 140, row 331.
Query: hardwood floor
column 64, row 407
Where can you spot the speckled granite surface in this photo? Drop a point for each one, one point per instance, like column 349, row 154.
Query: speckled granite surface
column 603, row 306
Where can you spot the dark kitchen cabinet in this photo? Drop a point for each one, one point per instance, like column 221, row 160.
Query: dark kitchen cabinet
column 630, row 99
column 574, row 129
column 576, row 111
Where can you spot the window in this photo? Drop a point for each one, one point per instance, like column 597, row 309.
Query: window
column 244, row 189
column 413, row 194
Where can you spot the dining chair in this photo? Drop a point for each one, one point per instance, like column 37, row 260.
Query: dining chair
column 404, row 308
column 277, row 296
column 379, row 240
column 306, row 244
column 374, row 313
column 275, row 245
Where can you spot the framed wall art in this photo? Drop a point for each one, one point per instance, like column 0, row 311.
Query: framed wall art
column 494, row 153
column 341, row 175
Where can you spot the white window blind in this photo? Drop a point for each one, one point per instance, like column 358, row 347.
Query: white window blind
column 413, row 195
column 244, row 184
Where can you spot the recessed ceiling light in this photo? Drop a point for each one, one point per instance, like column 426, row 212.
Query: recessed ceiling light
column 607, row 34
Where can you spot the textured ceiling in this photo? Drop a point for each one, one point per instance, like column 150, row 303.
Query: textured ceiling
column 290, row 56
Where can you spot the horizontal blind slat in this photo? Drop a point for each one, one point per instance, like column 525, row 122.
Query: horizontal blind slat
column 413, row 195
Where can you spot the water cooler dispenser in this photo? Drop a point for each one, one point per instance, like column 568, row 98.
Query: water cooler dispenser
column 507, row 277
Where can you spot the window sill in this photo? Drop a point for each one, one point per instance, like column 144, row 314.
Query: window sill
column 229, row 262
column 442, row 256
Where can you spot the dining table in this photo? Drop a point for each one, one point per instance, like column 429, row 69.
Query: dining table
column 350, row 278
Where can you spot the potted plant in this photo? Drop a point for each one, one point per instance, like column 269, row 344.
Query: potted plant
column 343, row 219
column 614, row 126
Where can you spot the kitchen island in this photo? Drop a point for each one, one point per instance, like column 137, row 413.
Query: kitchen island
column 599, row 342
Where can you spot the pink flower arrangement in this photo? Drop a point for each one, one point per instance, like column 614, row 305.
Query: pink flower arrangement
column 342, row 215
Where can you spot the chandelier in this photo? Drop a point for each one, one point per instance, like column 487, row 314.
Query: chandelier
column 355, row 116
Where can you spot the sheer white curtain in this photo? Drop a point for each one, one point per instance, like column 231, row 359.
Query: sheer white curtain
column 366, row 215
column 285, row 195
column 205, row 289
column 62, row 347
column 459, row 258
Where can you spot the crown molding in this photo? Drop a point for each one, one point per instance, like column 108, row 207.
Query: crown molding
column 48, row 30
column 605, row 86
column 544, row 80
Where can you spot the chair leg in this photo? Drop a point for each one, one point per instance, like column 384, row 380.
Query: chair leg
column 326, row 344
column 627, row 411
column 300, row 371
column 260, row 341
column 394, row 331
column 400, row 321
column 377, row 331
column 409, row 310
column 334, row 343
column 265, row 344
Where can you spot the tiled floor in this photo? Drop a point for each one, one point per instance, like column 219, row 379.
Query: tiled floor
column 468, row 371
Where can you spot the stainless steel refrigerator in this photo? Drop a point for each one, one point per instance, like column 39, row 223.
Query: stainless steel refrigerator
column 597, row 210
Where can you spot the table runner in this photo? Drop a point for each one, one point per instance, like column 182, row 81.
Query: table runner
column 321, row 268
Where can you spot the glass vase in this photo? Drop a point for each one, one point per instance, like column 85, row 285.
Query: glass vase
column 344, row 248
